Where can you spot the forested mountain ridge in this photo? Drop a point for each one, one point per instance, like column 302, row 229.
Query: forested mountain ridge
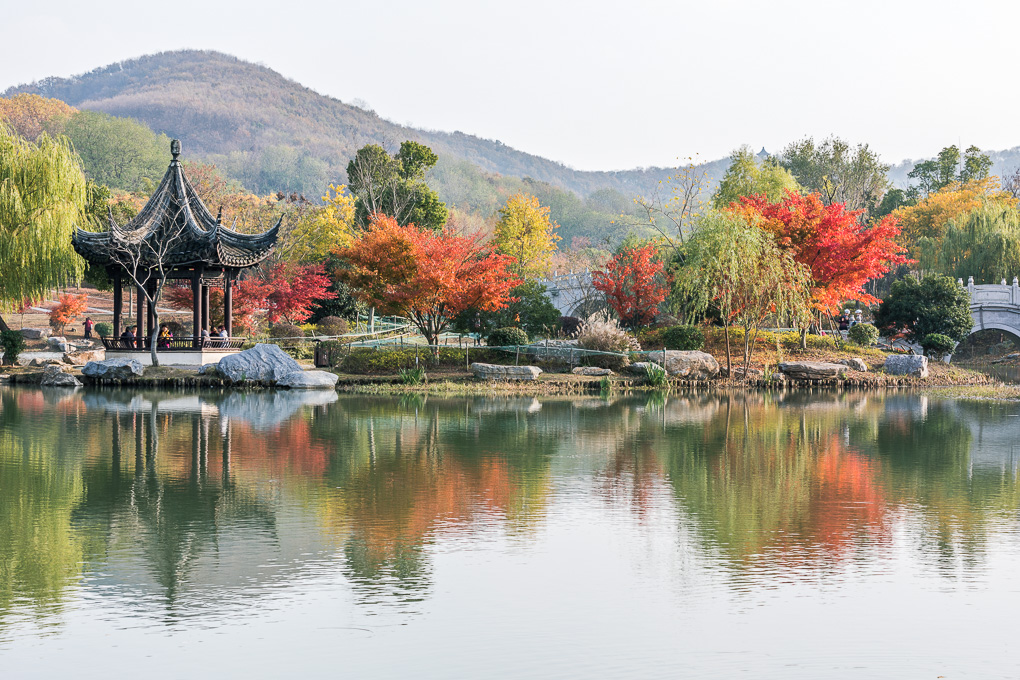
column 268, row 131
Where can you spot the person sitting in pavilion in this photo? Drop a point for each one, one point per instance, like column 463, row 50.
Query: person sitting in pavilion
column 127, row 338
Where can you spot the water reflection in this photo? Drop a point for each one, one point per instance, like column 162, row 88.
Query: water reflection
column 175, row 506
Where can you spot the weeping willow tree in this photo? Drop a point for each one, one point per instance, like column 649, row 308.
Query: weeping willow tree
column 984, row 243
column 42, row 200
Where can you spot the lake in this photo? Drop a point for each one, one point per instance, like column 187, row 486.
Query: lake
column 710, row 535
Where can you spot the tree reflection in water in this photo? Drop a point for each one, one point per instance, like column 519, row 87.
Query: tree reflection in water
column 177, row 504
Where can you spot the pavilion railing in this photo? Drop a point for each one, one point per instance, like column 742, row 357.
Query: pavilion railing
column 178, row 344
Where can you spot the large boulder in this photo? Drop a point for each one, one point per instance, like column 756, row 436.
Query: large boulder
column 35, row 333
column 497, row 372
column 855, row 364
column 113, row 369
column 694, row 364
column 55, row 376
column 812, row 370
column 267, row 363
column 907, row 364
column 58, row 344
column 83, row 357
column 309, row 380
column 591, row 371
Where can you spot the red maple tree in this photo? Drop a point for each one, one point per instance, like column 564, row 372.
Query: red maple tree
column 69, row 307
column 632, row 286
column 842, row 252
column 283, row 292
column 426, row 276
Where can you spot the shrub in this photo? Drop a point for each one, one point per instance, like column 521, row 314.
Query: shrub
column 332, row 326
column 655, row 375
column 286, row 330
column 570, row 326
column 937, row 345
column 412, row 376
column 103, row 329
column 507, row 337
column 299, row 352
column 607, row 336
column 13, row 343
column 371, row 361
column 863, row 334
column 683, row 338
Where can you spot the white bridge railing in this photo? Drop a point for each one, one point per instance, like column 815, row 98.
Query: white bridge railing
column 992, row 293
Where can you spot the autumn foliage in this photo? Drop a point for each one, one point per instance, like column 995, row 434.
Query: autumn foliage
column 284, row 292
column 631, row 284
column 841, row 251
column 426, row 276
column 69, row 307
column 30, row 114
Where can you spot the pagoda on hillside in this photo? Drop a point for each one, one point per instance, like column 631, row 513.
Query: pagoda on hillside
column 176, row 235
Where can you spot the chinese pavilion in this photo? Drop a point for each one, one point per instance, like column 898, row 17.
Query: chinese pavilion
column 176, row 232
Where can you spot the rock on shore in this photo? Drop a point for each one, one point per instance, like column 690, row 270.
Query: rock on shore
column 907, row 364
column 309, row 380
column 855, row 364
column 263, row 362
column 498, row 372
column 113, row 369
column 591, row 371
column 812, row 370
column 694, row 365
column 55, row 376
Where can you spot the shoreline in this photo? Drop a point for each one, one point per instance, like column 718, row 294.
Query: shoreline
column 956, row 382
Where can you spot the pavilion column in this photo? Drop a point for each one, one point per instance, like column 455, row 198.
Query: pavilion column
column 150, row 318
column 118, row 306
column 206, row 321
column 196, row 306
column 139, row 313
column 228, row 305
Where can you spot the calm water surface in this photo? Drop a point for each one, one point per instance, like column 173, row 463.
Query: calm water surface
column 306, row 535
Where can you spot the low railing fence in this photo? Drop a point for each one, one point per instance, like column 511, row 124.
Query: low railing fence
column 176, row 344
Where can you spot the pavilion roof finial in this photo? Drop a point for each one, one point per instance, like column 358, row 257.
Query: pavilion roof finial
column 175, row 148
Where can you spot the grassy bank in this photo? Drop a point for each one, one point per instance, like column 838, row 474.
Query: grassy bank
column 378, row 372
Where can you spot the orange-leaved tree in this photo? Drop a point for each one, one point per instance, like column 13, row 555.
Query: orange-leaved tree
column 428, row 277
column 69, row 307
column 631, row 284
column 841, row 252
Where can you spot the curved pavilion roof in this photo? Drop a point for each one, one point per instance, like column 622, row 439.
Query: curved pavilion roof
column 176, row 224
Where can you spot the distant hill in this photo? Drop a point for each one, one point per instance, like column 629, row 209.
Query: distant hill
column 264, row 129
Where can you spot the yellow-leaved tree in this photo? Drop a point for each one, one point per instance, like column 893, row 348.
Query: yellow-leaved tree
column 326, row 228
column 526, row 233
column 929, row 218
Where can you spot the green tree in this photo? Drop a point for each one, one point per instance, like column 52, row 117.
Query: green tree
column 395, row 185
column 984, row 243
column 119, row 152
column 530, row 309
column 937, row 173
column 738, row 269
column 526, row 233
column 747, row 177
column 42, row 201
column 839, row 172
column 935, row 305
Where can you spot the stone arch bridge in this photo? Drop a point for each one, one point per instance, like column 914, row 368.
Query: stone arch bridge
column 995, row 306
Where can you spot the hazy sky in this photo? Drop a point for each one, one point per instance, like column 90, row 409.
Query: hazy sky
column 596, row 85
